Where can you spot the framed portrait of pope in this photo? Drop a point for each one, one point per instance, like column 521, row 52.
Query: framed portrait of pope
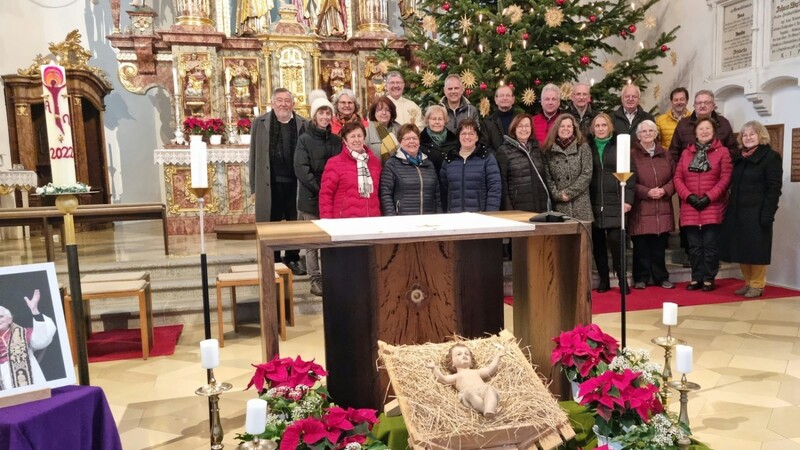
column 34, row 346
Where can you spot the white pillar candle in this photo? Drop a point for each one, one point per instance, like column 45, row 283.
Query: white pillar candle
column 256, row 111
column 623, row 153
column 59, row 128
column 209, row 353
column 175, row 86
column 199, row 164
column 227, row 81
column 683, row 358
column 256, row 418
column 670, row 313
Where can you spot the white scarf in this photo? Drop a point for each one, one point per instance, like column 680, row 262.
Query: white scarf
column 364, row 179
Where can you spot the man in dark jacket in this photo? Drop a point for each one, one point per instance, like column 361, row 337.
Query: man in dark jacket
column 684, row 132
column 457, row 106
column 495, row 127
column 580, row 107
column 272, row 178
column 630, row 114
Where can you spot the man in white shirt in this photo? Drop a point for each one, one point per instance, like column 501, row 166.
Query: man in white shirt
column 407, row 110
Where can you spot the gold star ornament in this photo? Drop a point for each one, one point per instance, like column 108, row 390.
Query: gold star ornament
column 553, row 17
column 528, row 97
column 429, row 78
column 514, row 13
column 468, row 79
column 508, row 61
column 673, row 56
column 566, row 90
column 429, row 24
column 566, row 48
column 484, row 107
column 609, row 66
column 649, row 22
column 465, row 24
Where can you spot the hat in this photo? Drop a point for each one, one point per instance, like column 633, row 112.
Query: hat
column 320, row 103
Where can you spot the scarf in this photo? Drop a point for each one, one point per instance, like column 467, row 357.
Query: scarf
column 388, row 142
column 362, row 171
column 353, row 118
column 16, row 352
column 749, row 152
column 601, row 146
column 700, row 161
column 414, row 160
column 437, row 138
column 564, row 143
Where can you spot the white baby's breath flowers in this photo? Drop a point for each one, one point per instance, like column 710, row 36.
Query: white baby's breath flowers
column 637, row 361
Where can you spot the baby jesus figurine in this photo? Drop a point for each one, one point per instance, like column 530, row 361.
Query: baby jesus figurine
column 469, row 380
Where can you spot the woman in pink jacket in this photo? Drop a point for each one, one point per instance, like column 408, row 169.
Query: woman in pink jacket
column 351, row 179
column 701, row 180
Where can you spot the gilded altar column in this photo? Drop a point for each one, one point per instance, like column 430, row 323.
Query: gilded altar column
column 194, row 12
column 315, row 67
column 372, row 17
column 268, row 79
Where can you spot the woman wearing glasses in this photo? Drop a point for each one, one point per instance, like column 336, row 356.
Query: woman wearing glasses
column 409, row 184
column 470, row 177
column 522, row 168
column 569, row 168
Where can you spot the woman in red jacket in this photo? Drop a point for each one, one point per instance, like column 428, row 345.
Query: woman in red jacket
column 701, row 180
column 350, row 180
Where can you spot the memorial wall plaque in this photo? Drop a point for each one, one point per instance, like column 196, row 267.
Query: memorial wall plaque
column 785, row 36
column 776, row 137
column 795, row 168
column 737, row 37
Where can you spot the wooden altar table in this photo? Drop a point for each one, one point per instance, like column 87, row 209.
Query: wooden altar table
column 413, row 289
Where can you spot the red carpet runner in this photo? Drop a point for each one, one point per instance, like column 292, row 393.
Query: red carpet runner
column 653, row 297
column 127, row 344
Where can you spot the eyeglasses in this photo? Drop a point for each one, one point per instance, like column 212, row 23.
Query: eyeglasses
column 342, row 102
column 468, row 133
column 706, row 103
column 646, row 131
column 411, row 138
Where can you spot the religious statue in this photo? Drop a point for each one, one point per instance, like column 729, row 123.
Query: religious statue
column 253, row 17
column 242, row 77
column 376, row 75
column 306, row 12
column 331, row 20
column 335, row 76
column 196, row 72
column 469, row 380
column 407, row 8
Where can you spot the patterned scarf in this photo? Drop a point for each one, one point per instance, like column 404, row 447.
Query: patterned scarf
column 437, row 138
column 749, row 152
column 414, row 160
column 564, row 143
column 16, row 351
column 700, row 161
column 365, row 187
column 388, row 142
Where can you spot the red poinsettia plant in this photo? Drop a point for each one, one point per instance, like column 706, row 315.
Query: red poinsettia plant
column 301, row 413
column 194, row 125
column 214, row 126
column 584, row 352
column 620, row 400
column 243, row 126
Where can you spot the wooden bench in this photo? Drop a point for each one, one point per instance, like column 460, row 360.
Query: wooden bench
column 48, row 216
column 288, row 284
column 233, row 280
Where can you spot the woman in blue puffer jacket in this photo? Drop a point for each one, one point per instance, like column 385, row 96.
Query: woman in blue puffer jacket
column 470, row 176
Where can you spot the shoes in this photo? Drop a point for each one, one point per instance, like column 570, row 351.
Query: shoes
column 708, row 286
column 295, row 267
column 693, row 286
column 754, row 292
column 316, row 289
column 639, row 285
column 667, row 284
column 742, row 290
column 604, row 286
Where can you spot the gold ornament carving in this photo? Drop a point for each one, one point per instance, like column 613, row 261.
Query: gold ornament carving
column 127, row 72
column 22, row 109
column 35, row 68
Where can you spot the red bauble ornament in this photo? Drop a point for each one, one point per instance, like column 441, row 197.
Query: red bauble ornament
column 511, row 86
column 483, row 86
column 537, row 82
column 593, row 18
column 623, row 33
column 446, row 6
column 632, row 28
column 501, row 29
column 525, row 36
column 585, row 60
column 664, row 48
column 468, row 92
column 443, row 66
column 560, row 2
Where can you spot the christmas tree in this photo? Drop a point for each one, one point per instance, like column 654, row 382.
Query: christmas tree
column 528, row 43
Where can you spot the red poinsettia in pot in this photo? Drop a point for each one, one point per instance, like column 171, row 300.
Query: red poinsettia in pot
column 583, row 352
column 194, row 127
column 214, row 128
column 243, row 127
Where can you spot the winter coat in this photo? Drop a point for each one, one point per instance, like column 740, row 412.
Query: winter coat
column 407, row 189
column 585, row 121
column 541, row 125
column 755, row 188
column 373, row 139
column 471, row 185
column 314, row 148
column 651, row 216
column 713, row 183
column 569, row 171
column 622, row 126
column 465, row 110
column 523, row 189
column 604, row 188
column 492, row 133
column 684, row 134
column 666, row 124
column 338, row 195
column 259, row 163
column 437, row 153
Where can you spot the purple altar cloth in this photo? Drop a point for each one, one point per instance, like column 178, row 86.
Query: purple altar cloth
column 75, row 417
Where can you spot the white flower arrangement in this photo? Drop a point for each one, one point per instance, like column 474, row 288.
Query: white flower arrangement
column 51, row 189
column 661, row 433
column 637, row 361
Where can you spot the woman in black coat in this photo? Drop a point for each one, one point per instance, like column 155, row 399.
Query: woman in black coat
column 755, row 188
column 436, row 141
column 470, row 177
column 522, row 168
column 409, row 184
column 606, row 201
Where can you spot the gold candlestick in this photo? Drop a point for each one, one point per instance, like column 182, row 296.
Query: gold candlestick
column 667, row 343
column 257, row 444
column 212, row 390
column 684, row 387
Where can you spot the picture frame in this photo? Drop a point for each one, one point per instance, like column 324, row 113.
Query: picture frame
column 50, row 365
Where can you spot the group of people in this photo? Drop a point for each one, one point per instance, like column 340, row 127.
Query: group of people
column 398, row 161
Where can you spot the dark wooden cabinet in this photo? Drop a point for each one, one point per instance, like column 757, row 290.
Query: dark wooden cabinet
column 27, row 130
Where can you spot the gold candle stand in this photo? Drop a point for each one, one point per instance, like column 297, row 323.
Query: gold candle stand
column 684, row 387
column 667, row 343
column 212, row 390
column 257, row 444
